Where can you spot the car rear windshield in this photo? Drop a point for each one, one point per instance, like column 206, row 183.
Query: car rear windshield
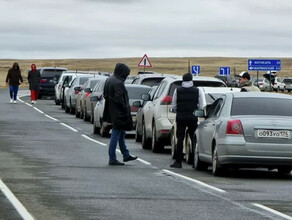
column 52, row 73
column 261, row 106
column 82, row 80
column 287, row 80
column 196, row 83
column 152, row 81
column 136, row 93
column 93, row 83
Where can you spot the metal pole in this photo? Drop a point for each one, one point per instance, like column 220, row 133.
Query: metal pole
column 258, row 79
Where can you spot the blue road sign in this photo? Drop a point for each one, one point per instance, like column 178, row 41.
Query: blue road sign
column 224, row 70
column 264, row 65
column 196, row 70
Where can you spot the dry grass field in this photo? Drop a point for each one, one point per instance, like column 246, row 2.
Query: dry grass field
column 209, row 65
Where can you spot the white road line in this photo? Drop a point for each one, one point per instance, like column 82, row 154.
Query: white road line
column 272, row 211
column 144, row 161
column 95, row 141
column 20, row 100
column 52, row 118
column 15, row 202
column 67, row 126
column 28, row 104
column 194, row 181
column 38, row 110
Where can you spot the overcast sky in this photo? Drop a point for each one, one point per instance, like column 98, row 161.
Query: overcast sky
column 42, row 29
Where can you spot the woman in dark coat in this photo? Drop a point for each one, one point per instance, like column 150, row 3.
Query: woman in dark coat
column 14, row 79
column 34, row 78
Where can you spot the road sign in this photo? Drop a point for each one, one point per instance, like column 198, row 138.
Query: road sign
column 224, row 70
column 196, row 70
column 264, row 65
column 145, row 62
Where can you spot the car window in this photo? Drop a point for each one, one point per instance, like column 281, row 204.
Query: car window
column 261, row 106
column 135, row 81
column 136, row 93
column 287, row 80
column 152, row 81
column 159, row 90
column 215, row 108
column 52, row 73
column 82, row 80
column 73, row 82
column 92, row 83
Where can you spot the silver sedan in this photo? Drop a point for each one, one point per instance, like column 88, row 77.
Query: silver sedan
column 246, row 130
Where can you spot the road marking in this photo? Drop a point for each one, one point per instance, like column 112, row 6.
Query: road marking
column 20, row 100
column 38, row 110
column 272, row 211
column 95, row 141
column 144, row 161
column 73, row 129
column 28, row 104
column 15, row 202
column 195, row 181
column 52, row 118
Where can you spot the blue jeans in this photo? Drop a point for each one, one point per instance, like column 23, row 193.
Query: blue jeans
column 117, row 135
column 13, row 90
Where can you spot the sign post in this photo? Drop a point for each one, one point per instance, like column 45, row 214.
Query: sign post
column 145, row 62
column 196, row 70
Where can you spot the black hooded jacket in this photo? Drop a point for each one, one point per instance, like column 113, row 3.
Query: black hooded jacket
column 117, row 109
column 14, row 75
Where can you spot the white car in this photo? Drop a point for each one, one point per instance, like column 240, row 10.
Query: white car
column 157, row 120
column 210, row 94
column 279, row 85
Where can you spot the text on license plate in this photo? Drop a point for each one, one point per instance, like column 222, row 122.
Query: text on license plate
column 273, row 133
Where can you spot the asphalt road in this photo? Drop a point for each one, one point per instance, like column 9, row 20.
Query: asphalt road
column 53, row 167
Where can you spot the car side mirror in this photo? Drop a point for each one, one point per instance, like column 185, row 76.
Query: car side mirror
column 77, row 88
column 199, row 113
column 137, row 104
column 145, row 97
column 87, row 90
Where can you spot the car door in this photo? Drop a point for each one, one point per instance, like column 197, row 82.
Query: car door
column 209, row 126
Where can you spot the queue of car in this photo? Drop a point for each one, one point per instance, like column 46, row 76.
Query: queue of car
column 235, row 129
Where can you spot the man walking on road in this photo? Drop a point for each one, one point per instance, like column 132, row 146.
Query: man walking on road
column 34, row 78
column 14, row 79
column 185, row 100
column 117, row 111
column 246, row 84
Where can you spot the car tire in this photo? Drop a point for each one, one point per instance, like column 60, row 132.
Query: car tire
column 173, row 145
column 284, row 170
column 217, row 169
column 86, row 118
column 67, row 109
column 146, row 144
column 96, row 130
column 189, row 150
column 40, row 96
column 138, row 137
column 77, row 113
column 198, row 164
column 56, row 101
column 72, row 110
column 92, row 115
column 156, row 146
column 284, row 89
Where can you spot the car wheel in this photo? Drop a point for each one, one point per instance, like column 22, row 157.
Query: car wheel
column 67, row 109
column 77, row 113
column 96, row 130
column 266, row 89
column 72, row 110
column 39, row 96
column 217, row 169
column 81, row 112
column 104, row 132
column 198, row 164
column 138, row 137
column 189, row 150
column 145, row 141
column 173, row 145
column 92, row 115
column 56, row 101
column 86, row 118
column 278, row 89
column 156, row 146
column 284, row 170
column 284, row 89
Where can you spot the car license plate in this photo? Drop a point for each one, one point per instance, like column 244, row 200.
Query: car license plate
column 273, row 133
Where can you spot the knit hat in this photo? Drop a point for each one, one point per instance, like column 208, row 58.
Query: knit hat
column 187, row 77
column 244, row 74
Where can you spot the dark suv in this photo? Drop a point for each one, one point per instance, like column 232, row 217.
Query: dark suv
column 49, row 77
column 229, row 80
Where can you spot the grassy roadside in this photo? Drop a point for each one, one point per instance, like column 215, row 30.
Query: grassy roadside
column 209, row 65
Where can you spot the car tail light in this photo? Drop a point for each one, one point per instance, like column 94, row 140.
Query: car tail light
column 275, row 83
column 87, row 94
column 261, row 83
column 163, row 131
column 234, row 127
column 76, row 92
column 43, row 81
column 167, row 100
column 134, row 108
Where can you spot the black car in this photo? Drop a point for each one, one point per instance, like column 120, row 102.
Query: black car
column 49, row 77
column 229, row 80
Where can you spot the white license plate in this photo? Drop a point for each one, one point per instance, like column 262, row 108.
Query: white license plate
column 273, row 133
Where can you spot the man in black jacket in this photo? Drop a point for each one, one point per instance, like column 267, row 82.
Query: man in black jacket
column 14, row 79
column 186, row 99
column 117, row 111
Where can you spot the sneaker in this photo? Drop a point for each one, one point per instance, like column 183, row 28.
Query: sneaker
column 14, row 101
column 129, row 158
column 32, row 102
column 11, row 100
column 115, row 163
column 176, row 165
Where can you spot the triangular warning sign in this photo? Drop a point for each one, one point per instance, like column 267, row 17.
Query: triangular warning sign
column 145, row 62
